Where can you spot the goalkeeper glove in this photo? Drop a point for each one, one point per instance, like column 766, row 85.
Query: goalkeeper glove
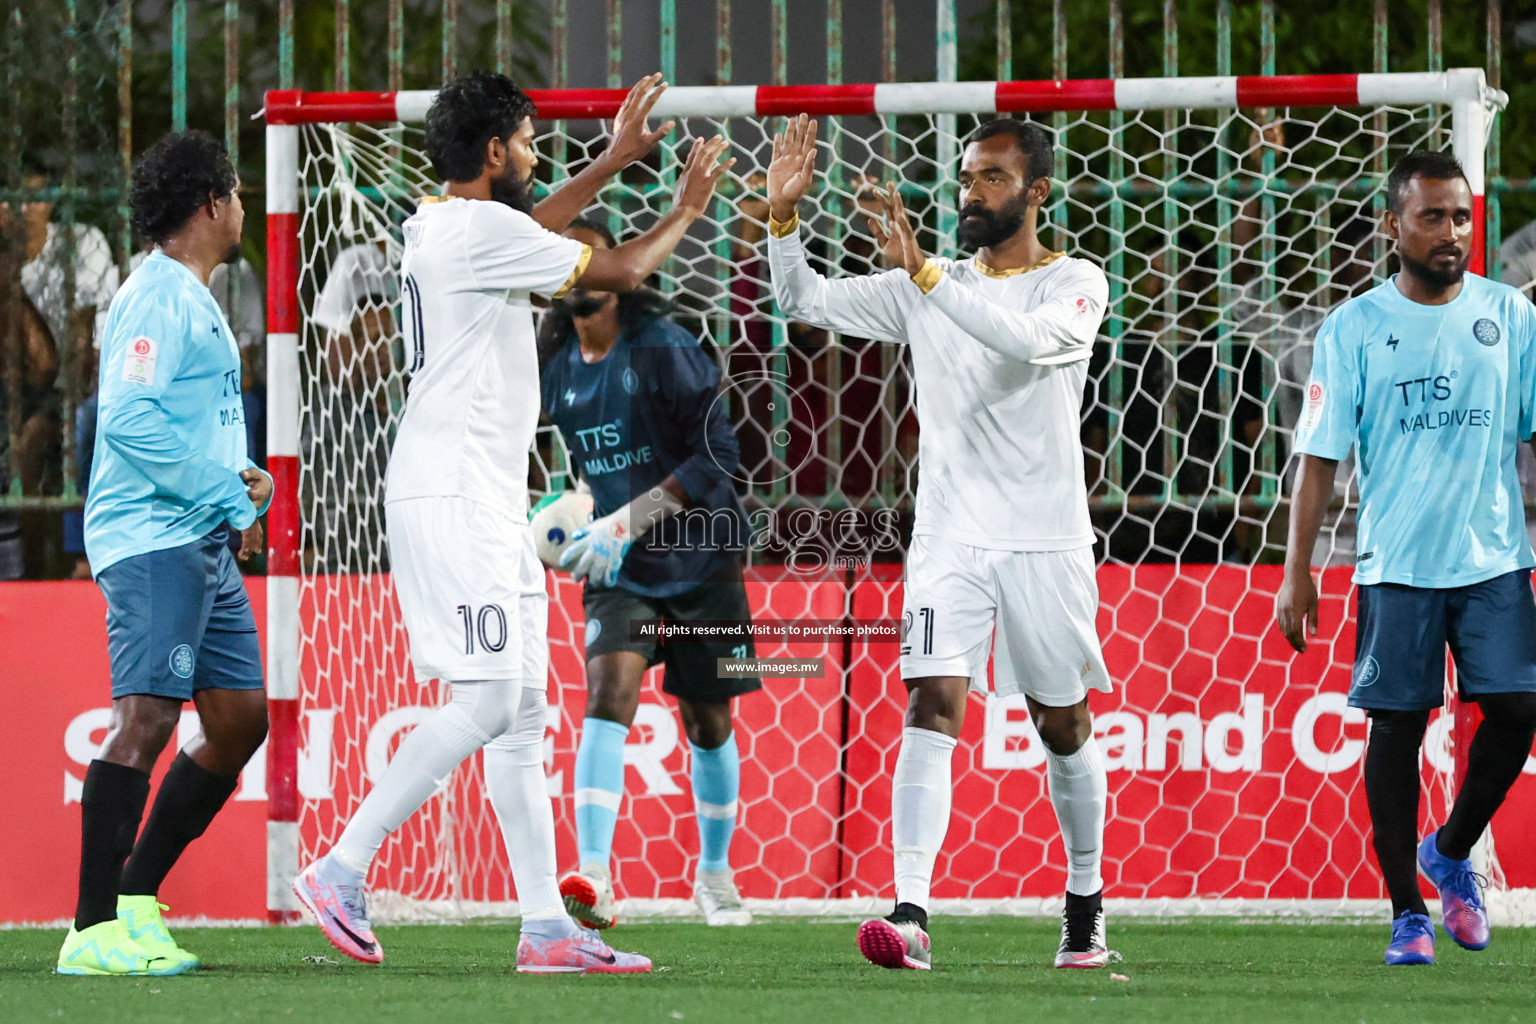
column 597, row 553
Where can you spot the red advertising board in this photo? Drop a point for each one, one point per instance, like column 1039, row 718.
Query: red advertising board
column 1234, row 766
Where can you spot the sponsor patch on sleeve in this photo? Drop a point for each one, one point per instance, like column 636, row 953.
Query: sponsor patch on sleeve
column 1314, row 410
column 139, row 361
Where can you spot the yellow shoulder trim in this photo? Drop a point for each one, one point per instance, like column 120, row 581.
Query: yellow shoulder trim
column 781, row 229
column 424, row 200
column 581, row 268
column 928, row 276
column 1052, row 258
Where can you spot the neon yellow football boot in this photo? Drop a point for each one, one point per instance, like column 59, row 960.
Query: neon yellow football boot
column 106, row 949
column 140, row 915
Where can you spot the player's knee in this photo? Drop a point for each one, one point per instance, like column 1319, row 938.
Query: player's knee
column 148, row 722
column 1063, row 730
column 238, row 741
column 708, row 725
column 937, row 705
column 1406, row 725
column 612, row 696
column 490, row 705
column 140, row 731
column 255, row 728
column 523, row 742
column 1515, row 712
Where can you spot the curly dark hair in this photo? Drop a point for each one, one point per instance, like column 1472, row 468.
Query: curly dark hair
column 636, row 306
column 173, row 178
column 469, row 112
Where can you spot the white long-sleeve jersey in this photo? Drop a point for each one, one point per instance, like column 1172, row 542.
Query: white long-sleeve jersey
column 999, row 361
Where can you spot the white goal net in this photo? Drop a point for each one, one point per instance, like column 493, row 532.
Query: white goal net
column 1227, row 234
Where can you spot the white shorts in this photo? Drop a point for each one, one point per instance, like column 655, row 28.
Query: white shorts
column 471, row 589
column 1042, row 605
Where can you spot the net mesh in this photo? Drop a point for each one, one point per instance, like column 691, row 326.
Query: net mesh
column 1234, row 769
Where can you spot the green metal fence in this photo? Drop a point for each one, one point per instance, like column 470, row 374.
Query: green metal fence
column 88, row 84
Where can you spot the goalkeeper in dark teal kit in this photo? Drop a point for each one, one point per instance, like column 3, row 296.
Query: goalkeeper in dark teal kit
column 635, row 397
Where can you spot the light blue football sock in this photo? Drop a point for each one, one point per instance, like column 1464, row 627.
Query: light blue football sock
column 716, row 783
column 599, row 787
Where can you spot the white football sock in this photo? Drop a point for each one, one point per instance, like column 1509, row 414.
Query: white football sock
column 514, row 778
column 921, row 792
column 476, row 712
column 1079, row 790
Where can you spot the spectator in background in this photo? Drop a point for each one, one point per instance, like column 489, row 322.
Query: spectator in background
column 1277, row 333
column 1517, row 259
column 51, row 256
column 356, row 303
column 351, row 397
column 29, row 362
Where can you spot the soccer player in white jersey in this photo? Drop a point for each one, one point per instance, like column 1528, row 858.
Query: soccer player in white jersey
column 471, row 589
column 1002, row 542
column 1430, row 377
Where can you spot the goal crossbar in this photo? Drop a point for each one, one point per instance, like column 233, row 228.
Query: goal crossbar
column 1215, row 92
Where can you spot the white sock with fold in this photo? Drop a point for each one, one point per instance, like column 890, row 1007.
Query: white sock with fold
column 515, row 780
column 426, row 757
column 1079, row 791
column 921, row 792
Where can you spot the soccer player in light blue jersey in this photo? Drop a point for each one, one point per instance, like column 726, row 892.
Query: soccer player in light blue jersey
column 1429, row 376
column 170, row 479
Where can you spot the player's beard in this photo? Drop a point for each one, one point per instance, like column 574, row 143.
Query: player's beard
column 515, row 191
column 991, row 227
column 233, row 255
column 585, row 304
column 1434, row 276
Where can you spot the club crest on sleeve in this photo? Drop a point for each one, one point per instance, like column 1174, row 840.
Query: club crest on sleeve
column 139, row 361
column 181, row 661
column 1486, row 331
column 1082, row 307
column 1367, row 672
column 594, row 630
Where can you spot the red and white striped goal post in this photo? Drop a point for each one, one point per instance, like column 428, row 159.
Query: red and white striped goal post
column 1464, row 90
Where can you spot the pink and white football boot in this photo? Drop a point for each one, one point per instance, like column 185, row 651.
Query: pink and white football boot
column 341, row 910
column 577, row 952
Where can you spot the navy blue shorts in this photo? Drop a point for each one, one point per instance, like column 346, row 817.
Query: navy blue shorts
column 179, row 620
column 1402, row 633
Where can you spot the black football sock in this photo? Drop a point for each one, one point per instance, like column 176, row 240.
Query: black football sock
column 188, row 799
column 1392, row 793
column 111, row 804
column 1498, row 752
column 910, row 912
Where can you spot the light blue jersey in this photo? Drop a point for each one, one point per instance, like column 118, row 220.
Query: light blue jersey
column 170, row 430
column 1437, row 399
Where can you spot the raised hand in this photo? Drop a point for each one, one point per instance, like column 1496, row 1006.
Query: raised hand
column 702, row 171
column 792, row 167
column 897, row 238
column 631, row 140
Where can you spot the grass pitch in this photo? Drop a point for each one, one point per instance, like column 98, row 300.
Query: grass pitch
column 986, row 969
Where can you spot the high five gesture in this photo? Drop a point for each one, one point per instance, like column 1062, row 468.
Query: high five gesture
column 792, row 168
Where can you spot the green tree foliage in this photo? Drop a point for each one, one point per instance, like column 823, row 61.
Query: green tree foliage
column 1309, row 39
